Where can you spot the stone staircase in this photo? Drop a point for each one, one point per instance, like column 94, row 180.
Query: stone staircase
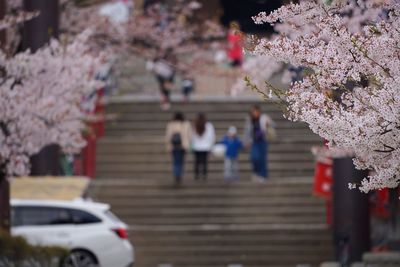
column 135, row 139
column 210, row 224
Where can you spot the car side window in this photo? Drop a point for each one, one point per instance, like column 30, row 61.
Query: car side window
column 83, row 217
column 15, row 221
column 36, row 215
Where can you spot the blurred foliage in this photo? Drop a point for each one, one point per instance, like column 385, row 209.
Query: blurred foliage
column 16, row 252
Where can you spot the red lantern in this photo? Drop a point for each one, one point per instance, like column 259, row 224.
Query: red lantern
column 323, row 180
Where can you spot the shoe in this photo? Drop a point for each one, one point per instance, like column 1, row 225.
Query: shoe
column 177, row 184
column 258, row 179
column 254, row 178
column 262, row 179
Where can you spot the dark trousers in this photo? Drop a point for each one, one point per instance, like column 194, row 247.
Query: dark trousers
column 200, row 164
column 259, row 158
column 178, row 158
column 165, row 92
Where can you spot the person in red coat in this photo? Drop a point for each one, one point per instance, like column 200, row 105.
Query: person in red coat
column 235, row 45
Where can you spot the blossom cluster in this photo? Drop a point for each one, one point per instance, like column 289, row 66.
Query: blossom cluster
column 177, row 28
column 259, row 68
column 350, row 95
column 355, row 15
column 40, row 96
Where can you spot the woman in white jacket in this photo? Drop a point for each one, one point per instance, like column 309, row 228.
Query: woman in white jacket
column 203, row 139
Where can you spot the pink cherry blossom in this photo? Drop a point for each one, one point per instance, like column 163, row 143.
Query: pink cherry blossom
column 149, row 33
column 295, row 24
column 40, row 96
column 349, row 95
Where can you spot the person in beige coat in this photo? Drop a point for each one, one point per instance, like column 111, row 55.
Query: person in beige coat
column 177, row 139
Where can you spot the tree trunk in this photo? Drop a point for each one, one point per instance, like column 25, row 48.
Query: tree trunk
column 36, row 33
column 4, row 184
column 41, row 29
column 351, row 221
column 4, row 203
column 3, row 35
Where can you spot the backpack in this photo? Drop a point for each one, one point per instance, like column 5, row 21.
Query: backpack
column 176, row 141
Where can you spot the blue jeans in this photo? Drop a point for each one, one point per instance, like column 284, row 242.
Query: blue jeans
column 258, row 158
column 178, row 157
column 231, row 169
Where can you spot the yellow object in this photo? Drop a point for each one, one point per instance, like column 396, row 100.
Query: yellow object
column 55, row 188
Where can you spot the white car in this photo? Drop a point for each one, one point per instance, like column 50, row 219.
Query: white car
column 94, row 236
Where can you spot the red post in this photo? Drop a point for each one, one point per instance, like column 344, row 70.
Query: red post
column 328, row 212
column 97, row 129
column 89, row 157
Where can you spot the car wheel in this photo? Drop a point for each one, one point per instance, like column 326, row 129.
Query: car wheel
column 80, row 258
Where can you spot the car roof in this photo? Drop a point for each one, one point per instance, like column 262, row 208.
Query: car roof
column 78, row 204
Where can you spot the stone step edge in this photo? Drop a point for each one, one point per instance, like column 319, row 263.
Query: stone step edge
column 228, row 227
column 125, row 182
column 140, row 98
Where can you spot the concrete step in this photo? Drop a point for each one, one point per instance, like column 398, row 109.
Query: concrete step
column 283, row 214
column 268, row 259
column 224, row 124
column 155, row 195
column 143, row 264
column 220, row 116
column 231, row 237
column 259, row 202
column 212, row 166
column 195, row 107
column 294, row 181
column 283, row 135
column 157, row 143
column 166, row 158
column 132, row 220
column 247, row 265
column 228, row 250
column 274, row 151
column 188, row 190
column 166, row 176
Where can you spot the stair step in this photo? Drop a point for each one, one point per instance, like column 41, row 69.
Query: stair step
column 227, row 220
column 166, row 158
column 258, row 202
column 142, row 147
column 212, row 167
column 221, row 116
column 269, row 259
column 217, row 176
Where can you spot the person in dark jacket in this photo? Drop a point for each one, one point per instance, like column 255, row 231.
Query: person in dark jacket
column 177, row 139
column 259, row 130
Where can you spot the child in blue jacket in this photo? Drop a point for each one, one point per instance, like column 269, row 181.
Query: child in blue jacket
column 233, row 147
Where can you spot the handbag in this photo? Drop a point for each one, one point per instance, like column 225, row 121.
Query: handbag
column 218, row 150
